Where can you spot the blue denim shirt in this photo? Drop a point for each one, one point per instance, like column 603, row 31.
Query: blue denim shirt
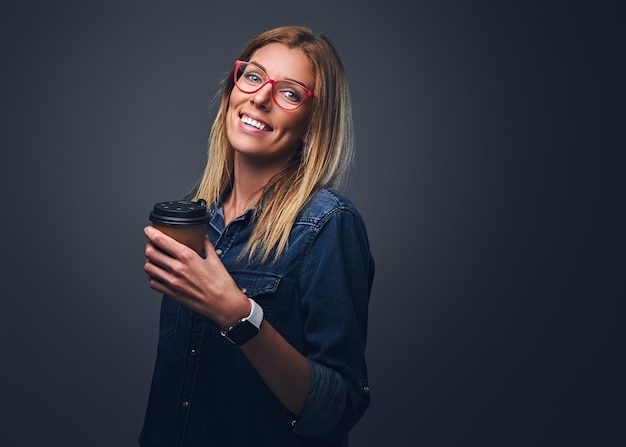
column 204, row 390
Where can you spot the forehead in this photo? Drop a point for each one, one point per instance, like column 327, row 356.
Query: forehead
column 282, row 62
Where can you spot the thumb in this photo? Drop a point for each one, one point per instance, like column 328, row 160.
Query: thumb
column 209, row 250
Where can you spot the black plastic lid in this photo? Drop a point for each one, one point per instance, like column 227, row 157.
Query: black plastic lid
column 180, row 212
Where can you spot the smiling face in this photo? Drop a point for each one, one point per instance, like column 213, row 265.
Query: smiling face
column 256, row 126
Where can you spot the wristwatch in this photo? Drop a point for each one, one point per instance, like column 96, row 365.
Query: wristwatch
column 246, row 328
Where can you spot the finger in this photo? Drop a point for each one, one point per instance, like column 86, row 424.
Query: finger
column 164, row 242
column 209, row 249
column 158, row 257
column 156, row 271
column 167, row 283
column 159, row 286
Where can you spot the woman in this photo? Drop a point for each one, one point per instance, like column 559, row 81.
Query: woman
column 262, row 339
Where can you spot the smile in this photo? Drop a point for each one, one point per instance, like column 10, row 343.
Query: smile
column 254, row 123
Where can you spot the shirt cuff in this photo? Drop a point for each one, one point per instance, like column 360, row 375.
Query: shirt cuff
column 325, row 405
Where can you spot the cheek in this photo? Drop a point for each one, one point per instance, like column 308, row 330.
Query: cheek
column 229, row 117
column 302, row 123
column 235, row 98
column 231, row 111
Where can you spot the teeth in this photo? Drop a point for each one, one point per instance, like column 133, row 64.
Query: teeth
column 254, row 123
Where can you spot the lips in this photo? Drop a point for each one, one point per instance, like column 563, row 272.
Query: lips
column 260, row 125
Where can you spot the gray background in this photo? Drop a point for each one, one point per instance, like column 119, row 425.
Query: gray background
column 489, row 172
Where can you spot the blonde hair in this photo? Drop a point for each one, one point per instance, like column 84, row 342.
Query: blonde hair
column 322, row 161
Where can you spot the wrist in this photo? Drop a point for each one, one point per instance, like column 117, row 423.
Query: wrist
column 245, row 328
column 237, row 307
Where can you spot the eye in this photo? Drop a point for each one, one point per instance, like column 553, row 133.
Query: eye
column 291, row 96
column 253, row 77
column 290, row 92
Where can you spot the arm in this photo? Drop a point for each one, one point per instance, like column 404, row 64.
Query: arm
column 283, row 369
column 206, row 287
column 336, row 279
column 326, row 385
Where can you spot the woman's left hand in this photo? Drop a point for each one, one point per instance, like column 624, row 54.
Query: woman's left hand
column 201, row 284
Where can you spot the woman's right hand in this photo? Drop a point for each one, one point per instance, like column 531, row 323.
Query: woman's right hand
column 201, row 284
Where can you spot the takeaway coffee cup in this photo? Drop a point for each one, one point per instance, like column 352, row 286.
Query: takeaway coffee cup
column 182, row 220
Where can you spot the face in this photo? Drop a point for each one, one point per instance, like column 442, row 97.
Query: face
column 255, row 125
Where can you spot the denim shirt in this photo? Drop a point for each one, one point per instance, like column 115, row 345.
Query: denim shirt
column 204, row 390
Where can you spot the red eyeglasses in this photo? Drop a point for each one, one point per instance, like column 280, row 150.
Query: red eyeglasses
column 288, row 95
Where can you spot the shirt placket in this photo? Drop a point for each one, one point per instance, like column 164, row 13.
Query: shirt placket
column 197, row 327
column 227, row 235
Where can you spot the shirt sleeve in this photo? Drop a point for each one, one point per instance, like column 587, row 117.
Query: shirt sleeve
column 336, row 280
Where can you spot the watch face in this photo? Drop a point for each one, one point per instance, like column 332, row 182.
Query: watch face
column 241, row 332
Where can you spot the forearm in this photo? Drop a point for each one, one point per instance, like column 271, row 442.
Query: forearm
column 283, row 369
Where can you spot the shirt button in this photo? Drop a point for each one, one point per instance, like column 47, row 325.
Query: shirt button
column 218, row 252
column 193, row 352
column 293, row 423
column 185, row 404
column 366, row 389
column 244, row 290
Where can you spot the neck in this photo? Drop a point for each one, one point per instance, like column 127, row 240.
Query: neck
column 249, row 179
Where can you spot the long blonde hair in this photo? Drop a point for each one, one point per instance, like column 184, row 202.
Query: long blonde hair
column 322, row 161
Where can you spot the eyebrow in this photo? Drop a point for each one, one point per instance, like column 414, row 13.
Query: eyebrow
column 285, row 79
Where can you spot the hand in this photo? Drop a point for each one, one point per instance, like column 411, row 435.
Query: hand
column 203, row 285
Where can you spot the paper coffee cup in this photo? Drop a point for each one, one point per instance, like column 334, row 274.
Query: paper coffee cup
column 182, row 220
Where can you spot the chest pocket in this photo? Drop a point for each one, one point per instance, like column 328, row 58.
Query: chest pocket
column 260, row 286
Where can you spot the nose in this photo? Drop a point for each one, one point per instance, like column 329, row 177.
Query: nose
column 263, row 97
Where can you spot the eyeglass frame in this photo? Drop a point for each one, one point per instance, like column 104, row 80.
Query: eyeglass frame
column 273, row 82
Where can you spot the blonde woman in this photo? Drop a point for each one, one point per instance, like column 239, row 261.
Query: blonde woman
column 262, row 339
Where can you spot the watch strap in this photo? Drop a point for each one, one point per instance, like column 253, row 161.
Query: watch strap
column 246, row 328
column 256, row 314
